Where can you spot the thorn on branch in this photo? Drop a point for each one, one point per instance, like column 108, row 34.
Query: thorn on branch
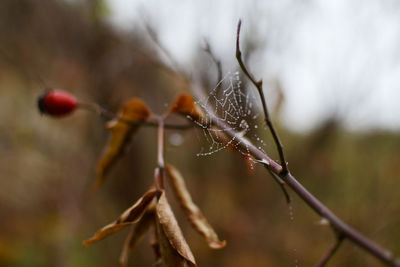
column 259, row 83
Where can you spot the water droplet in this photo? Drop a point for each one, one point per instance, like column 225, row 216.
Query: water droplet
column 291, row 214
column 176, row 139
column 244, row 125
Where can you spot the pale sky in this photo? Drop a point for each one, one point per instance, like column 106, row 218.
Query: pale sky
column 339, row 56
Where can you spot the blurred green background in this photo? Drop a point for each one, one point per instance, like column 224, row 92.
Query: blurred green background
column 47, row 165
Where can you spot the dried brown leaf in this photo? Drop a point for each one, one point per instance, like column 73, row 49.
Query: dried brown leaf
column 122, row 129
column 185, row 105
column 128, row 217
column 136, row 233
column 174, row 249
column 194, row 214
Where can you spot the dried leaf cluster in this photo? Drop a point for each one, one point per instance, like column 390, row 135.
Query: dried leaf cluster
column 122, row 129
column 152, row 210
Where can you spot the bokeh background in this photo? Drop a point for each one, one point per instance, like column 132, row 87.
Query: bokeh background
column 345, row 149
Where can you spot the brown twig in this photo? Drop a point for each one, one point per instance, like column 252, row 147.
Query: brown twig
column 150, row 123
column 281, row 184
column 259, row 86
column 216, row 61
column 331, row 251
column 153, row 36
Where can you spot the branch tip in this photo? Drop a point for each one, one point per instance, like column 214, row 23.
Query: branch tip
column 238, row 28
column 238, row 52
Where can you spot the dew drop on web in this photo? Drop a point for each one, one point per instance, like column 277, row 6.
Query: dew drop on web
column 291, row 213
column 236, row 108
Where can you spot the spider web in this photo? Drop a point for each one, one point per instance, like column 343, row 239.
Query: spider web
column 235, row 107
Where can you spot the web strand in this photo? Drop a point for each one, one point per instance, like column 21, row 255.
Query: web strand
column 229, row 103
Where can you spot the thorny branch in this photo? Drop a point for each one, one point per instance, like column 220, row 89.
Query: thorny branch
column 259, row 86
column 217, row 62
column 342, row 230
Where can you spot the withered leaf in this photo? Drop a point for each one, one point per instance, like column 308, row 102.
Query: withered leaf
column 194, row 214
column 128, row 217
column 174, row 249
column 136, row 233
column 122, row 129
column 185, row 105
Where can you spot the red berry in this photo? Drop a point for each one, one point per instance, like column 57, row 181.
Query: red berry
column 57, row 103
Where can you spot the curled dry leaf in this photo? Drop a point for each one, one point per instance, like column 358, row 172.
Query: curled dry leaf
column 128, row 217
column 122, row 128
column 185, row 105
column 194, row 214
column 136, row 233
column 174, row 249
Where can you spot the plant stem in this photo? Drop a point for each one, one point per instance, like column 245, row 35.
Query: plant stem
column 160, row 143
column 259, row 86
column 159, row 172
column 331, row 251
column 111, row 116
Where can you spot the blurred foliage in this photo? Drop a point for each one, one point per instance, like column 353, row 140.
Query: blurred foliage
column 47, row 166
